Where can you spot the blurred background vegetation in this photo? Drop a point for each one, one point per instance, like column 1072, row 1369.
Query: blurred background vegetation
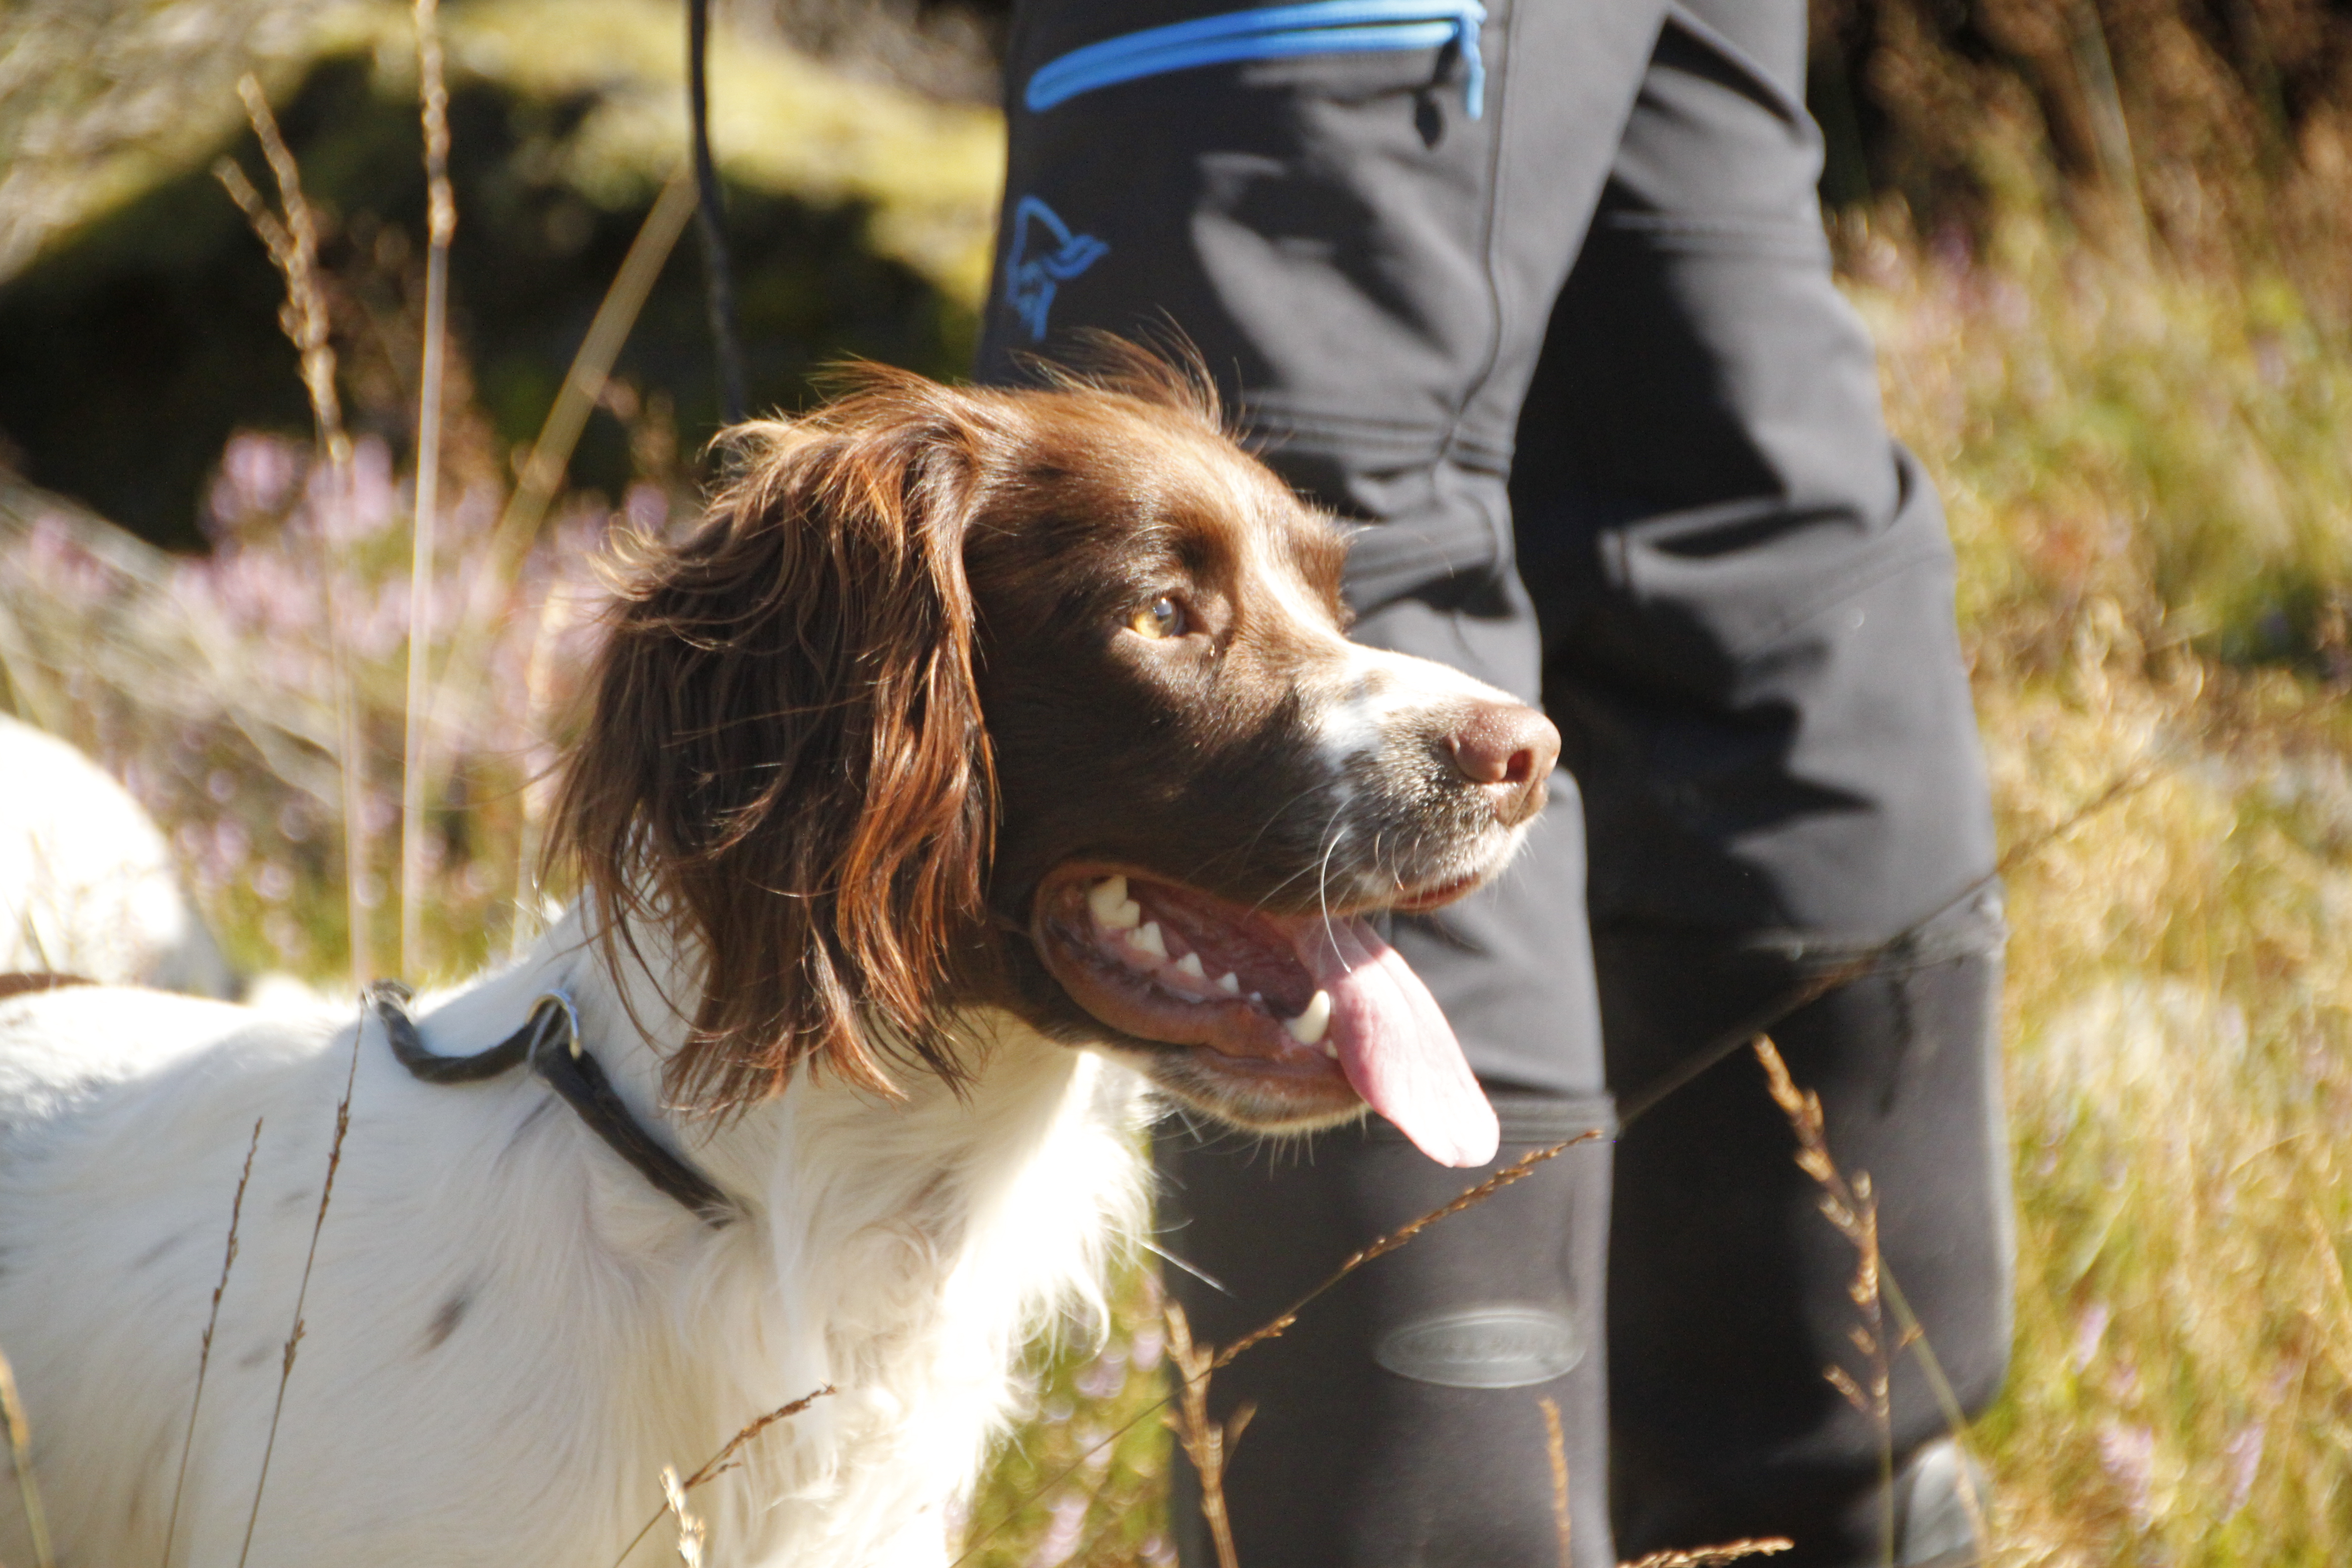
column 136, row 307
column 2105, row 245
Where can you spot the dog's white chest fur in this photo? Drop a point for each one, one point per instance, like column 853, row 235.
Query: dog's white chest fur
column 508, row 1332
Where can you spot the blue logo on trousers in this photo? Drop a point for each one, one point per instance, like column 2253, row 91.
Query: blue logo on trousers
column 1046, row 255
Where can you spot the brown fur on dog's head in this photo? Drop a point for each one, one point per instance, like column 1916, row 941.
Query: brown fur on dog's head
column 783, row 761
column 936, row 660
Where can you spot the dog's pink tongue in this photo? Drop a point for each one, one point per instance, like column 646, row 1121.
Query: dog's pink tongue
column 1395, row 1045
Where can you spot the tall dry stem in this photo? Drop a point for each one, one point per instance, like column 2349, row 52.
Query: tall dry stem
column 2094, row 67
column 441, row 226
column 293, row 246
column 1209, row 1444
column 724, row 1460
column 1556, row 1451
column 205, row 1356
column 720, row 1463
column 690, row 1529
column 301, row 1293
column 591, row 368
column 583, row 383
column 1516, row 1171
column 1851, row 1207
column 1709, row 1556
column 20, row 1455
column 537, row 682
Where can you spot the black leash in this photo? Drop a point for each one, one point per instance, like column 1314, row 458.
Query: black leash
column 719, row 276
column 549, row 1042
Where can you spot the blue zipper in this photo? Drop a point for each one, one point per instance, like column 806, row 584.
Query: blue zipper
column 1273, row 32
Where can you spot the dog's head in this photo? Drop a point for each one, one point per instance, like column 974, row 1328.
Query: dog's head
column 1040, row 700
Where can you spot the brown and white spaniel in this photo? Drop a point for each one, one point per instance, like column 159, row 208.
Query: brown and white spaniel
column 976, row 748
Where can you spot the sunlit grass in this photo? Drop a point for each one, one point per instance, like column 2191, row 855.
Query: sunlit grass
column 2150, row 487
column 2108, row 427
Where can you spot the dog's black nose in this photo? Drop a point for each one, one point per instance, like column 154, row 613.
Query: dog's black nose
column 1507, row 751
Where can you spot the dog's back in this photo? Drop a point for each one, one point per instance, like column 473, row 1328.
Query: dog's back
column 463, row 1345
column 124, row 1121
column 86, row 884
column 505, row 1334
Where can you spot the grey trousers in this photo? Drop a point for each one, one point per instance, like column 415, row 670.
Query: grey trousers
column 1546, row 302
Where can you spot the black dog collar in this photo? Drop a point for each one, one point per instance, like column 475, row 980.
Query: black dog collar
column 549, row 1042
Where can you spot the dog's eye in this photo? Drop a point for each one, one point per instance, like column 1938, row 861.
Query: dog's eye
column 1163, row 617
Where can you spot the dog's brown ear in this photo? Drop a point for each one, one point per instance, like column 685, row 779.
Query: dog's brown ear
column 785, row 765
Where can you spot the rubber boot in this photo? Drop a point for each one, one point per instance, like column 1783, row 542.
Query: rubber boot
column 1729, row 1291
column 1943, row 1503
column 1446, row 1403
column 1935, row 1514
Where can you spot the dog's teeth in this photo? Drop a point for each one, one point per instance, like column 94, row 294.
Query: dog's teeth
column 1308, row 1026
column 1191, row 965
column 1331, row 1049
column 1111, row 905
column 1148, row 939
column 1231, row 984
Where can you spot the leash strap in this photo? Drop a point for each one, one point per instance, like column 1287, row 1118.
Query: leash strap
column 388, row 999
column 718, row 273
column 549, row 1042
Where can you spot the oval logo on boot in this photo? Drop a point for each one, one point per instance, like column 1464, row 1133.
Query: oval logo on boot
column 1487, row 1347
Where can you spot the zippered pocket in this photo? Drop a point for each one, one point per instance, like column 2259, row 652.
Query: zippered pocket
column 1274, row 32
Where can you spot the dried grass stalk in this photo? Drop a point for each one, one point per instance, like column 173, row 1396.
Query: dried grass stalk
column 538, row 685
column 583, row 383
column 591, row 368
column 205, row 1356
column 1516, row 1171
column 441, row 225
column 718, row 1463
column 724, row 1460
column 20, row 1454
column 293, row 247
column 1708, row 1556
column 1556, row 1449
column 1207, row 1443
column 2120, row 786
column 1851, row 1207
column 294, row 1335
column 690, row 1529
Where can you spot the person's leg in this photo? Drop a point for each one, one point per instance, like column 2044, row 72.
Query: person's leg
column 1729, row 1290
column 1404, row 1419
column 1746, row 591
column 1364, row 246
